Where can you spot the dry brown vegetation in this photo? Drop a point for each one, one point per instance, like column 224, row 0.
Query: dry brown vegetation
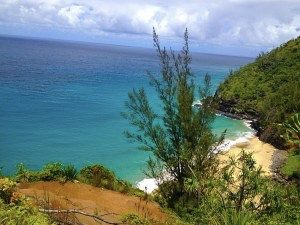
column 110, row 205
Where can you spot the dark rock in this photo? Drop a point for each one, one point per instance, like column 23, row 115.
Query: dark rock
column 268, row 134
column 272, row 136
column 228, row 108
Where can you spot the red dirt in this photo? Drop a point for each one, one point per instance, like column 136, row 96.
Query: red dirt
column 90, row 199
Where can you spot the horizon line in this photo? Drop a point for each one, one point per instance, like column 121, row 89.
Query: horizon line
column 109, row 44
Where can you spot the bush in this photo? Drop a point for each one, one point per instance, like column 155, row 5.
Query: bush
column 25, row 175
column 133, row 219
column 7, row 188
column 233, row 217
column 69, row 172
column 51, row 172
column 22, row 214
column 98, row 176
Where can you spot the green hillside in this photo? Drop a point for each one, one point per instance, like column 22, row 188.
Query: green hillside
column 267, row 90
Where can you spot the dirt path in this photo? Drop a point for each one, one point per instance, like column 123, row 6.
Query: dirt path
column 92, row 200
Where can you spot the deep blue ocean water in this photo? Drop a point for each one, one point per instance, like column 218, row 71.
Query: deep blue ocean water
column 61, row 101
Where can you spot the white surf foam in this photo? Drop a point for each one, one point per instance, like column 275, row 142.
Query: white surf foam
column 244, row 139
column 147, row 185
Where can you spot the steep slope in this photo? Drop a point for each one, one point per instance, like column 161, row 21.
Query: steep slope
column 92, row 200
column 266, row 91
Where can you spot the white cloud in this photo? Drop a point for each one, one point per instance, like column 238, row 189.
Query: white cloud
column 232, row 22
column 72, row 13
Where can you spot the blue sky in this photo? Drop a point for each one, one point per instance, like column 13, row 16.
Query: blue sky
column 235, row 27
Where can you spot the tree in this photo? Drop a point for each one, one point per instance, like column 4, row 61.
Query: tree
column 180, row 138
column 243, row 183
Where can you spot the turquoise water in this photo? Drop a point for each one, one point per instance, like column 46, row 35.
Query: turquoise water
column 62, row 101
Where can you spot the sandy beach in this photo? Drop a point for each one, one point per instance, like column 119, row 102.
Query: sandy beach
column 265, row 155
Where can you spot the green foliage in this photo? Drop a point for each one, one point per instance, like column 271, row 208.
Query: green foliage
column 69, row 172
column 267, row 89
column 242, row 184
column 22, row 214
column 99, row 176
column 292, row 128
column 25, row 175
column 96, row 175
column 133, row 219
column 14, row 209
column 284, row 205
column 50, row 172
column 240, row 194
column 7, row 188
column 292, row 165
column 233, row 217
column 180, row 136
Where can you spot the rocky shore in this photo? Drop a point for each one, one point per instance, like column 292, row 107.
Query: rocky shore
column 269, row 135
column 228, row 108
column 275, row 157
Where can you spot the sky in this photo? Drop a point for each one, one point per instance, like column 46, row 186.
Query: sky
column 233, row 27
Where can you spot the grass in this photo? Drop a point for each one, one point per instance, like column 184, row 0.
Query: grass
column 292, row 164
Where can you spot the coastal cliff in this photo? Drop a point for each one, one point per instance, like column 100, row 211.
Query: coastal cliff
column 265, row 91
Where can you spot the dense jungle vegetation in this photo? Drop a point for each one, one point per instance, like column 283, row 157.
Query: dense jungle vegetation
column 267, row 90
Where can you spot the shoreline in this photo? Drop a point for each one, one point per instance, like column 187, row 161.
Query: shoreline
column 265, row 155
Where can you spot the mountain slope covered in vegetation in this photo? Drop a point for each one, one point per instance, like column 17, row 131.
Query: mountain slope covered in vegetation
column 266, row 91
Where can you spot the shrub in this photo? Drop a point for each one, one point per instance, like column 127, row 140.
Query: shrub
column 98, row 176
column 69, row 172
column 292, row 128
column 233, row 217
column 51, row 171
column 133, row 219
column 123, row 186
column 243, row 183
column 25, row 175
column 7, row 188
column 22, row 214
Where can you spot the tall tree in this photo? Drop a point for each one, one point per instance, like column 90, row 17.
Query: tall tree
column 180, row 138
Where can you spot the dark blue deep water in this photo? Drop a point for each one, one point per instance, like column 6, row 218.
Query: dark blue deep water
column 61, row 101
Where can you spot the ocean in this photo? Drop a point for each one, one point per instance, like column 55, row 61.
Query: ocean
column 62, row 101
